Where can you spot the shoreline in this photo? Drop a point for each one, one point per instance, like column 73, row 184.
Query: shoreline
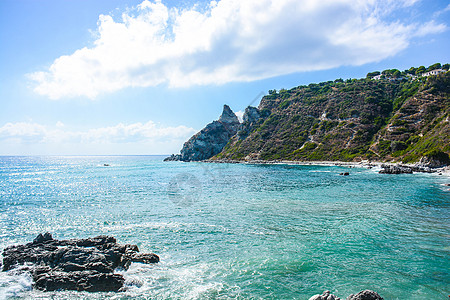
column 442, row 171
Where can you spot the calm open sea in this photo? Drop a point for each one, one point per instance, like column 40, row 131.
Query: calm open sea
column 236, row 231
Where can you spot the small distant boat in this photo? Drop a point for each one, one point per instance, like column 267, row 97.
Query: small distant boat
column 106, row 165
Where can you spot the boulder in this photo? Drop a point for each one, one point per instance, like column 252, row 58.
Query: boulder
column 325, row 296
column 365, row 295
column 173, row 157
column 76, row 264
column 395, row 169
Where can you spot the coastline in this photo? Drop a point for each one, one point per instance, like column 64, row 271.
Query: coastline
column 377, row 165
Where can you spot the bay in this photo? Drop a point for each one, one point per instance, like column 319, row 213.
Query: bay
column 235, row 231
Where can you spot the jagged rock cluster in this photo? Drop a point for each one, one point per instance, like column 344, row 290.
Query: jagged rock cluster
column 437, row 160
column 250, row 119
column 393, row 169
column 210, row 140
column 400, row 169
column 364, row 295
column 76, row 264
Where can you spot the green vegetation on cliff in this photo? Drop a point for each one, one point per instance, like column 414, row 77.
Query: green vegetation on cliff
column 397, row 117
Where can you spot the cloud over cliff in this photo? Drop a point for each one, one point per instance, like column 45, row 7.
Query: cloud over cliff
column 229, row 41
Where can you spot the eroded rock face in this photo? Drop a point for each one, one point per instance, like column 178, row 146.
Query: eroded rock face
column 435, row 161
column 250, row 118
column 76, row 264
column 211, row 139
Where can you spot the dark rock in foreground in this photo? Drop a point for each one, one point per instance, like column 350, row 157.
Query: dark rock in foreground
column 325, row 296
column 364, row 295
column 76, row 264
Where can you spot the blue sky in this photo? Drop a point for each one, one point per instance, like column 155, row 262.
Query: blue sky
column 140, row 77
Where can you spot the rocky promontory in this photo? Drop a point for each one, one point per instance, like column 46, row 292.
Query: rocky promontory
column 405, row 120
column 210, row 140
column 75, row 264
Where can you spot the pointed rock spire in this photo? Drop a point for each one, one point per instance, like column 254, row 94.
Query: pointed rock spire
column 210, row 140
column 228, row 115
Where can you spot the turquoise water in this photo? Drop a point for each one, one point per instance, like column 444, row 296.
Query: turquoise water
column 236, row 231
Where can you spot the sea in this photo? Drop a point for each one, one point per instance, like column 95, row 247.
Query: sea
column 235, row 231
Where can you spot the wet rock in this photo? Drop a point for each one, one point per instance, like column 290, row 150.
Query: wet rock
column 173, row 157
column 365, row 295
column 395, row 169
column 146, row 258
column 91, row 281
column 76, row 264
column 42, row 238
column 326, row 295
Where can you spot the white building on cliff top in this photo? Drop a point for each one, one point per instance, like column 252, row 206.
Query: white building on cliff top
column 433, row 72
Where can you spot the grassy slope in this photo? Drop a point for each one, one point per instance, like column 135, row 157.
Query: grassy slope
column 356, row 119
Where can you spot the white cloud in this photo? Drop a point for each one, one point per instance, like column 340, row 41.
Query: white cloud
column 240, row 115
column 157, row 139
column 229, row 41
column 23, row 131
column 430, row 27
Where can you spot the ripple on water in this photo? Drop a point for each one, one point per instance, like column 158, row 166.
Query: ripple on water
column 253, row 231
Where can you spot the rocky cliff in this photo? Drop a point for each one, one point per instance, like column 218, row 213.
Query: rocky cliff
column 386, row 120
column 210, row 140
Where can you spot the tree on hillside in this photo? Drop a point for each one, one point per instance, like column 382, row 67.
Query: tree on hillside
column 411, row 71
column 420, row 70
column 396, row 74
column 372, row 74
column 434, row 67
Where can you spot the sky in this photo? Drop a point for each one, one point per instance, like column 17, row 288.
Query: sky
column 139, row 77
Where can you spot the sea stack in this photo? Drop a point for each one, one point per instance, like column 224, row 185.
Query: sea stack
column 211, row 139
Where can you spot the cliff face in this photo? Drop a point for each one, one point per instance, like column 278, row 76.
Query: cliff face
column 420, row 125
column 358, row 119
column 211, row 139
